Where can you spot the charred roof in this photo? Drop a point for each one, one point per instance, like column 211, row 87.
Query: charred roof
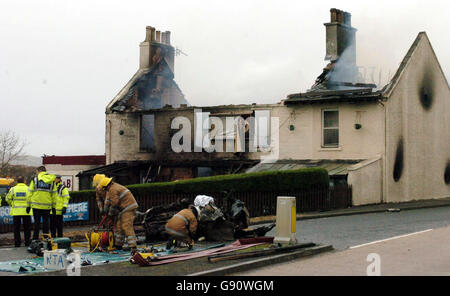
column 327, row 96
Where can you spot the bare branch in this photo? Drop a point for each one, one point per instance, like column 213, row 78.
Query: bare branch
column 11, row 149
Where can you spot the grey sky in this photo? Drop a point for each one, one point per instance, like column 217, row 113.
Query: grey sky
column 63, row 61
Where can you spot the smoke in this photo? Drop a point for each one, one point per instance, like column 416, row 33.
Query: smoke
column 345, row 68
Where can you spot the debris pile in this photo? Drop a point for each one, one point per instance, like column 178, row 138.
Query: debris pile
column 214, row 223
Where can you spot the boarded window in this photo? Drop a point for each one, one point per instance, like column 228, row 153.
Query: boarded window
column 330, row 126
column 147, row 142
column 204, row 171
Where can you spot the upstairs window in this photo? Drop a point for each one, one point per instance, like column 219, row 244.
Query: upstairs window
column 330, row 128
column 262, row 130
column 147, row 143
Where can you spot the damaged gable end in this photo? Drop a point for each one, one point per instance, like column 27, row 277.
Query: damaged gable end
column 153, row 85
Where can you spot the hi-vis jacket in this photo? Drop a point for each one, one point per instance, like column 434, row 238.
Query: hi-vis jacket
column 41, row 188
column 61, row 198
column 19, row 198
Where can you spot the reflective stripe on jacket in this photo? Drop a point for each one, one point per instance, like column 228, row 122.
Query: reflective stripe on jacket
column 119, row 199
column 19, row 198
column 41, row 188
column 184, row 222
column 61, row 198
column 100, row 197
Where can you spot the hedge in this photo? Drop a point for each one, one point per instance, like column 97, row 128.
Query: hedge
column 247, row 182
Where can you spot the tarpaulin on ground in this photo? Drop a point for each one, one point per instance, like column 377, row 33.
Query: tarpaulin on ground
column 36, row 265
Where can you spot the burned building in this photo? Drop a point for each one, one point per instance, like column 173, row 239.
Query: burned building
column 153, row 85
column 391, row 142
column 341, row 73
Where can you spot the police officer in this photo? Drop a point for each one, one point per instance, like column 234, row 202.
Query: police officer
column 60, row 203
column 19, row 198
column 41, row 187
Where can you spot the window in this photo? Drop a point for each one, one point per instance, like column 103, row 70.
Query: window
column 201, row 127
column 147, row 142
column 204, row 171
column 330, row 126
column 262, row 121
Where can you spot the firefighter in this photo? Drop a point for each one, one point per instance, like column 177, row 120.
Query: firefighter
column 120, row 205
column 99, row 192
column 19, row 198
column 61, row 201
column 41, row 187
column 183, row 226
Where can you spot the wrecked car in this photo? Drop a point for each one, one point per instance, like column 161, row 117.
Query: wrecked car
column 214, row 223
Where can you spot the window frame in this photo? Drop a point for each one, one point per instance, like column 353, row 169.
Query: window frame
column 263, row 146
column 323, row 128
column 153, row 149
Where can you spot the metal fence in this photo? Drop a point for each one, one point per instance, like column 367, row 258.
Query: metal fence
column 258, row 203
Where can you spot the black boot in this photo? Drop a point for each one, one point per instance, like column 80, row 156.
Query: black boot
column 170, row 244
column 133, row 251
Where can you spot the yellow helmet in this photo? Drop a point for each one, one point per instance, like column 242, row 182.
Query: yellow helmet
column 105, row 182
column 97, row 179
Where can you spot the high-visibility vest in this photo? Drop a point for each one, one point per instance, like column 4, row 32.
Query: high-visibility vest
column 19, row 198
column 42, row 188
column 61, row 199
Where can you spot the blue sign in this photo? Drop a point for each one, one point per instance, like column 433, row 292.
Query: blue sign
column 5, row 218
column 75, row 212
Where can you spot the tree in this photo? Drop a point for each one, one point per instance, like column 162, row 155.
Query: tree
column 11, row 149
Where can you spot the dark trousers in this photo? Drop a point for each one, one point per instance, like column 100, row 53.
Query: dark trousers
column 56, row 225
column 18, row 220
column 45, row 215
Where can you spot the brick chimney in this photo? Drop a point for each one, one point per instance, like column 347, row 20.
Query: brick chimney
column 155, row 47
column 340, row 35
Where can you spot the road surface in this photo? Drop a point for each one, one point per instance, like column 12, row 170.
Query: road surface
column 415, row 242
column 346, row 231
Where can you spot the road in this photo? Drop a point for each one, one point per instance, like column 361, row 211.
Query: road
column 342, row 232
column 346, row 231
column 412, row 242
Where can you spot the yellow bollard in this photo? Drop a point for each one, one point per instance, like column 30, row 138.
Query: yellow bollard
column 285, row 232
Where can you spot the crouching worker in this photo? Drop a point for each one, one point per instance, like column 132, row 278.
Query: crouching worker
column 182, row 227
column 60, row 203
column 120, row 205
column 19, row 198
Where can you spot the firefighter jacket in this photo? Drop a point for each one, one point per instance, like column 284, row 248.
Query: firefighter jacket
column 19, row 198
column 61, row 198
column 184, row 222
column 100, row 195
column 118, row 200
column 41, row 188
